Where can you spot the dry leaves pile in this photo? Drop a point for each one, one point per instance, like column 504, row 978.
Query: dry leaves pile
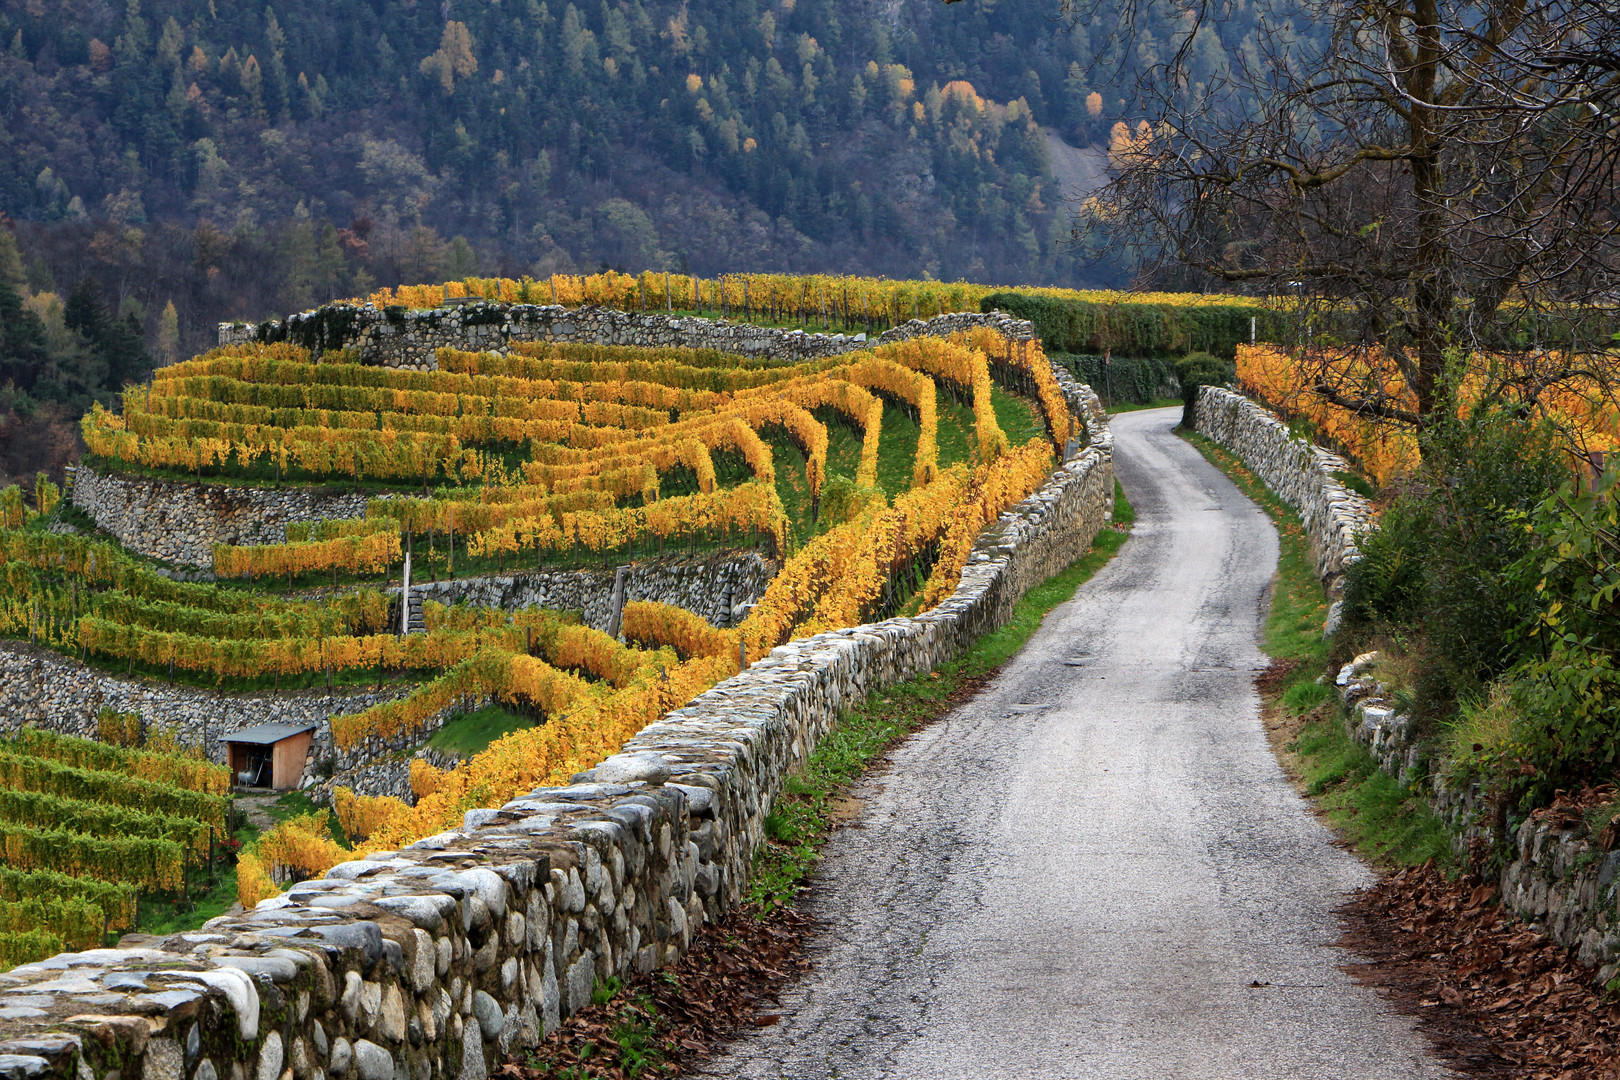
column 718, row 989
column 1497, row 998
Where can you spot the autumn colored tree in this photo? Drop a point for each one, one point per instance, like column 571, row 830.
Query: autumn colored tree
column 453, row 59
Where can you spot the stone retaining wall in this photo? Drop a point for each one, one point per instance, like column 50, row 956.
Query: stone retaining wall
column 438, row 960
column 1300, row 473
column 56, row 692
column 1553, row 876
column 388, row 776
column 181, row 522
column 713, row 586
column 397, row 337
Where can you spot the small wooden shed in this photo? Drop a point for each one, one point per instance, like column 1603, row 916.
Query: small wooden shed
column 269, row 755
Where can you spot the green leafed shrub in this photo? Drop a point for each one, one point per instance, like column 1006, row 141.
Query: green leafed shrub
column 1567, row 686
column 1195, row 370
column 1441, row 569
column 1138, row 379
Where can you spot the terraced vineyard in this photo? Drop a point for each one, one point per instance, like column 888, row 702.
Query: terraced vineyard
column 86, row 827
column 867, row 475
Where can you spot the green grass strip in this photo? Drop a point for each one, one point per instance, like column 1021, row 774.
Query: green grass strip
column 1386, row 821
column 800, row 822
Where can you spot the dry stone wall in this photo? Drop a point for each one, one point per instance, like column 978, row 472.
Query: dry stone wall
column 58, row 693
column 717, row 587
column 397, row 337
column 390, row 775
column 438, row 960
column 181, row 522
column 1553, row 876
column 1300, row 473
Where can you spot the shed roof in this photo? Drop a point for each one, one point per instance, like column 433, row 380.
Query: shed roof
column 265, row 734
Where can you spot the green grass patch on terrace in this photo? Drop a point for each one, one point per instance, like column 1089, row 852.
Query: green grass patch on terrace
column 799, row 823
column 471, row 733
column 1384, row 820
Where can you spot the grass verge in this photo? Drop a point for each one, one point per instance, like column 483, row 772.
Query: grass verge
column 471, row 733
column 1383, row 819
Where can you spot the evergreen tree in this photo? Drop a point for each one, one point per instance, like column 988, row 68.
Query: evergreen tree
column 23, row 353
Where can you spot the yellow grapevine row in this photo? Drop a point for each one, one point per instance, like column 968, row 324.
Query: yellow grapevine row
column 750, row 510
column 809, row 296
column 397, row 409
column 832, row 581
column 193, row 774
column 459, row 387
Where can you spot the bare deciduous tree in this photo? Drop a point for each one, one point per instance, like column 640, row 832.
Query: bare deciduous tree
column 1432, row 178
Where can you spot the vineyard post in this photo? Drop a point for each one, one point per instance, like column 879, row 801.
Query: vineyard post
column 669, row 297
column 742, row 655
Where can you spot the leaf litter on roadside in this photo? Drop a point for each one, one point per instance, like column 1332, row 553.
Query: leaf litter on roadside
column 1497, row 997
column 657, row 1024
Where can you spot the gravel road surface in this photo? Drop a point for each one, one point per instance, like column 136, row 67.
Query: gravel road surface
column 1096, row 868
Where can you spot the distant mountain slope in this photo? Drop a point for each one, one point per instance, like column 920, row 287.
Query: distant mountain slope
column 240, row 160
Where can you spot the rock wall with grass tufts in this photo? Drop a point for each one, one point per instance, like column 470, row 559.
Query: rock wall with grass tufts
column 1299, row 472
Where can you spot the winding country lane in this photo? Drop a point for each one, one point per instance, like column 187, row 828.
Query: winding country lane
column 1096, row 868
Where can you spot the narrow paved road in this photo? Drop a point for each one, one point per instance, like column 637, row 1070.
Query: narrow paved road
column 1096, row 867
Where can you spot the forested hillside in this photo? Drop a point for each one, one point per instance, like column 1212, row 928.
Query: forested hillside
column 238, row 160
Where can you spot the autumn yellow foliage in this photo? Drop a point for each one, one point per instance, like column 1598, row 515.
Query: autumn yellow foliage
column 1385, row 450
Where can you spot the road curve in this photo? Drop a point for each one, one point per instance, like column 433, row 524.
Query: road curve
column 1096, row 868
